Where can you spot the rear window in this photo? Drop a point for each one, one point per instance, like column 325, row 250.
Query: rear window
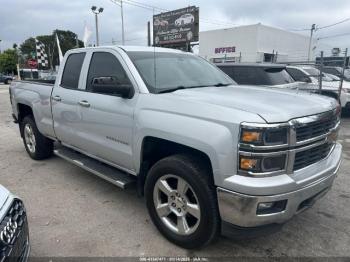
column 246, row 75
column 71, row 72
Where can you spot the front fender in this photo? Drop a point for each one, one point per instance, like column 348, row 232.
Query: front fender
column 212, row 138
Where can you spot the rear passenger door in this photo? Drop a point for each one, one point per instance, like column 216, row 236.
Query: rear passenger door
column 105, row 129
column 64, row 100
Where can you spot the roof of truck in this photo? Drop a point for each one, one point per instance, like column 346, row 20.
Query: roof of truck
column 137, row 48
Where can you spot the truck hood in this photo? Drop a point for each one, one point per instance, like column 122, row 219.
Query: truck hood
column 272, row 104
column 4, row 194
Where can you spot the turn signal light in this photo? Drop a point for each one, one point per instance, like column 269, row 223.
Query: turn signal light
column 251, row 136
column 248, row 164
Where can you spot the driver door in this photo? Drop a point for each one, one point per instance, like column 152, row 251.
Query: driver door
column 107, row 120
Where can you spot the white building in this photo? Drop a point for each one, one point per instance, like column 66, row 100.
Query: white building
column 254, row 43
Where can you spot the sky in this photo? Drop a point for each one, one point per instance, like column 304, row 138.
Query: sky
column 20, row 19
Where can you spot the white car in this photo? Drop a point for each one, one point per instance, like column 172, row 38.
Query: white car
column 309, row 74
column 184, row 20
column 14, row 232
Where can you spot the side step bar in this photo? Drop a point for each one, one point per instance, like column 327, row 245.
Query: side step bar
column 111, row 174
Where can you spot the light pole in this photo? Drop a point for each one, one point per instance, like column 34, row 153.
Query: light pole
column 120, row 3
column 96, row 12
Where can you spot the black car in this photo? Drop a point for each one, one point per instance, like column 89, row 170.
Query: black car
column 5, row 79
column 257, row 74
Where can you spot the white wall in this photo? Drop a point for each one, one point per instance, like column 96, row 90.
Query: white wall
column 243, row 38
column 253, row 41
column 289, row 46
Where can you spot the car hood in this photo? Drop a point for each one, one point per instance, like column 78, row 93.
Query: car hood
column 272, row 104
column 4, row 194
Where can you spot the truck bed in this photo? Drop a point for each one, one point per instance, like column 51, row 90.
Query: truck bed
column 35, row 94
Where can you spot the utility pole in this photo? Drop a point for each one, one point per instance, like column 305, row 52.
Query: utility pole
column 342, row 75
column 96, row 12
column 149, row 33
column 122, row 16
column 313, row 28
column 320, row 77
column 0, row 46
column 120, row 3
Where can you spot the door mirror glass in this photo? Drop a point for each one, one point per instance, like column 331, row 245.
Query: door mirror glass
column 110, row 85
column 305, row 79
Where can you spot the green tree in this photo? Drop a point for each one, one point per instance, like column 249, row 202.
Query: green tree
column 68, row 40
column 8, row 61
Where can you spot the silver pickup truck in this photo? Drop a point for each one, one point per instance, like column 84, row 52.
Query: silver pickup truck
column 208, row 155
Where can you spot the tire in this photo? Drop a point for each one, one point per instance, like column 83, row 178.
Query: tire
column 37, row 146
column 202, row 228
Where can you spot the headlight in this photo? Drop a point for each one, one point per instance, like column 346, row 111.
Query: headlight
column 262, row 164
column 264, row 136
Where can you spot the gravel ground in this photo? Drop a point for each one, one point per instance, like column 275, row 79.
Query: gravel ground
column 73, row 213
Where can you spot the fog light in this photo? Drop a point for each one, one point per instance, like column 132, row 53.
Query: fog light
column 266, row 205
column 265, row 208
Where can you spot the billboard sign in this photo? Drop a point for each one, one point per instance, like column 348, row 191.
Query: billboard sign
column 176, row 27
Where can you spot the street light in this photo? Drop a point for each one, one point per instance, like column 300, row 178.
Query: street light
column 96, row 12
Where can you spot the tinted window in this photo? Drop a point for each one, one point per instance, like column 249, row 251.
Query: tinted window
column 297, row 74
column 105, row 64
column 71, row 72
column 332, row 71
column 251, row 75
column 165, row 71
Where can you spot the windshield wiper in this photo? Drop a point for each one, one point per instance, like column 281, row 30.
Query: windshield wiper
column 169, row 90
column 221, row 84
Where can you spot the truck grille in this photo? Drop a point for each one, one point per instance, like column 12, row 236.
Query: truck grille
column 311, row 156
column 316, row 128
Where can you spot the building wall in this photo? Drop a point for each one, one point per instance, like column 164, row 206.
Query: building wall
column 289, row 46
column 243, row 38
column 252, row 41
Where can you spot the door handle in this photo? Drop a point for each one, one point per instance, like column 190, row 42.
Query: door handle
column 57, row 98
column 84, row 103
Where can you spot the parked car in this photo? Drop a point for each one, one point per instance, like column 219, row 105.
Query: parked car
column 260, row 74
column 206, row 153
column 185, row 19
column 14, row 234
column 6, row 79
column 330, row 83
column 337, row 71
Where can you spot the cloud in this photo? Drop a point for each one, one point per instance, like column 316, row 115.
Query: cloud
column 21, row 19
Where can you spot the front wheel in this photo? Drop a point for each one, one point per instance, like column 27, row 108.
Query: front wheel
column 181, row 201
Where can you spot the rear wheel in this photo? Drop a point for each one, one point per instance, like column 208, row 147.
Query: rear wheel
column 37, row 146
column 181, row 201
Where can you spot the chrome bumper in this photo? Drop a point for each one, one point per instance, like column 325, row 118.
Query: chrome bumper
column 241, row 209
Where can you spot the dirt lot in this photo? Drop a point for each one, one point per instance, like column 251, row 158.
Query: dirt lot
column 73, row 213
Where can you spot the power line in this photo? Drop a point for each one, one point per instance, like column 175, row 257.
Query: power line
column 340, row 22
column 153, row 8
column 331, row 36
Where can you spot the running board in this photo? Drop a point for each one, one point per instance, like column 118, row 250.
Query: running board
column 104, row 171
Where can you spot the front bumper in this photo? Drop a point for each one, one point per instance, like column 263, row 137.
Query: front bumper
column 241, row 209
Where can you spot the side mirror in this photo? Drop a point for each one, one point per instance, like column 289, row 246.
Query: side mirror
column 305, row 79
column 110, row 85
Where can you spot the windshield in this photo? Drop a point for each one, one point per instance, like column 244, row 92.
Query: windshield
column 172, row 71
